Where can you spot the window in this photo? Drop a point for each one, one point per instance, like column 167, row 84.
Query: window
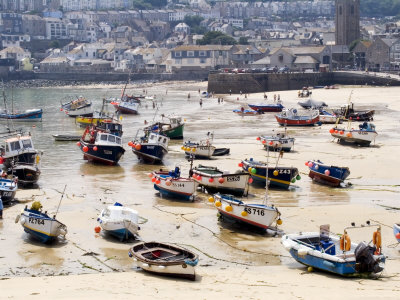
column 340, row 10
column 178, row 54
column 280, row 57
column 202, row 53
column 178, row 61
column 202, row 61
column 27, row 144
column 103, row 137
column 118, row 140
column 111, row 138
column 352, row 10
column 15, row 146
column 190, row 53
column 190, row 61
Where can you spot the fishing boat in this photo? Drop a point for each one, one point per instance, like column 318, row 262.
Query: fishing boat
column 40, row 225
column 8, row 187
column 119, row 221
column 66, row 137
column 18, row 148
column 278, row 177
column 150, row 148
column 328, row 175
column 27, row 174
column 247, row 112
column 171, row 184
column 203, row 148
column 396, row 231
column 278, row 142
column 305, row 92
column 78, row 107
column 329, row 252
column 328, row 118
column 349, row 113
column 290, row 117
column 267, row 107
column 164, row 259
column 27, row 115
column 97, row 117
column 362, row 136
column 215, row 180
column 101, row 146
column 170, row 126
column 260, row 216
column 312, row 104
column 130, row 106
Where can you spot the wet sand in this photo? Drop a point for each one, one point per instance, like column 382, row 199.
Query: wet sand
column 233, row 264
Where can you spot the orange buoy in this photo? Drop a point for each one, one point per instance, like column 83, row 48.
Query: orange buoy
column 211, row 180
column 97, row 229
column 331, row 130
column 345, row 242
column 377, row 240
column 78, row 144
column 153, row 179
column 95, row 148
column 221, row 180
column 130, row 144
column 138, row 147
column 85, row 149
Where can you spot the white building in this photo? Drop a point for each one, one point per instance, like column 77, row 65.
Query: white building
column 56, row 28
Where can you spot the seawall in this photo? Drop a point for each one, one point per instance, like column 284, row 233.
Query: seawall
column 223, row 83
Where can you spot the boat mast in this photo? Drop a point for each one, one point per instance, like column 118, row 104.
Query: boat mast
column 59, row 203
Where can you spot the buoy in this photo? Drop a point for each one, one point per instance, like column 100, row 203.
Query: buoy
column 153, row 179
column 293, row 180
column 331, row 130
column 258, row 138
column 240, row 165
column 244, row 213
column 95, row 148
column 310, row 269
column 310, row 164
column 221, row 180
column 193, row 149
column 158, row 181
column 78, row 144
column 130, row 144
column 250, row 180
column 228, row 208
column 298, row 177
column 210, row 199
column 336, row 131
column 138, row 147
column 253, row 170
column 97, row 229
column 199, row 178
column 349, row 135
column 168, row 182
column 279, row 221
column 85, row 149
column 327, row 172
column 271, row 143
column 306, row 163
column 397, row 235
column 218, row 203
column 1, row 160
column 61, row 109
column 264, row 141
column 150, row 175
column 341, row 132
column 211, row 180
column 183, row 148
column 275, row 173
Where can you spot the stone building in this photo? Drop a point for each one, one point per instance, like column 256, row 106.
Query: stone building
column 347, row 21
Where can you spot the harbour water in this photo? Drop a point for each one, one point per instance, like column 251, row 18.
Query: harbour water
column 90, row 187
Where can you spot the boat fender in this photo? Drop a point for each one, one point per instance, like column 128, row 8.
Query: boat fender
column 302, row 251
column 345, row 242
column 17, row 218
column 328, row 264
column 22, row 220
column 63, row 231
column 377, row 240
column 192, row 262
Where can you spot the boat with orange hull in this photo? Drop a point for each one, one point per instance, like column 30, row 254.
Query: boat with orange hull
column 292, row 118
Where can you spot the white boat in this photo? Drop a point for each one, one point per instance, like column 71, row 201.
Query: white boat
column 127, row 107
column 362, row 136
column 215, row 180
column 171, row 184
column 78, row 107
column 164, row 259
column 328, row 118
column 119, row 221
column 277, row 142
column 202, row 149
column 40, row 225
column 326, row 251
column 260, row 216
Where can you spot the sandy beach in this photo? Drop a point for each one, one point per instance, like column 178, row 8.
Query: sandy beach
column 233, row 263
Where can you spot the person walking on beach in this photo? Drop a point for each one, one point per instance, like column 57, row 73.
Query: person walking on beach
column 230, row 92
column 1, row 208
column 188, row 96
column 201, row 102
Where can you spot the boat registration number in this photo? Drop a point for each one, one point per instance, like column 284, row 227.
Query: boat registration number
column 203, row 147
column 285, row 171
column 108, row 152
column 6, row 194
column 254, row 211
column 232, row 178
column 36, row 221
column 178, row 184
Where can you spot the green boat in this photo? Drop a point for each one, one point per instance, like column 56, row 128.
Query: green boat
column 172, row 127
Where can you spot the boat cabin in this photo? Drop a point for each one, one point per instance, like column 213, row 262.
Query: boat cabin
column 111, row 127
column 104, row 138
column 367, row 126
column 18, row 145
column 158, row 139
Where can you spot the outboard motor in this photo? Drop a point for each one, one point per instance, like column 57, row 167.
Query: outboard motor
column 365, row 260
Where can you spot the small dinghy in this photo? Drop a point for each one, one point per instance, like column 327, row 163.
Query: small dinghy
column 328, row 252
column 259, row 216
column 119, row 221
column 171, row 184
column 165, row 259
column 362, row 136
column 215, row 180
column 329, row 118
column 66, row 137
column 8, row 187
column 247, row 112
column 396, row 231
column 267, row 107
column 40, row 225
column 328, row 175
column 203, row 148
column 314, row 104
column 278, row 142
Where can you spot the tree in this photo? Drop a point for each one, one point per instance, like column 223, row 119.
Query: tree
column 243, row 40
column 216, row 38
column 54, row 44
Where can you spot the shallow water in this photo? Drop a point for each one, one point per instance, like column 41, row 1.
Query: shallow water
column 90, row 187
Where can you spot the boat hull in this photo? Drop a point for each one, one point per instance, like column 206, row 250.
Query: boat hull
column 267, row 108
column 358, row 137
column 301, row 121
column 253, row 215
column 175, row 133
column 30, row 115
column 152, row 154
column 105, row 154
column 181, row 188
column 86, row 111
column 27, row 174
column 278, row 180
column 396, row 231
column 199, row 151
column 127, row 108
column 8, row 189
column 273, row 143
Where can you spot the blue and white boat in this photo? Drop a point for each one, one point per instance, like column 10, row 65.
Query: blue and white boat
column 328, row 175
column 278, row 142
column 396, row 231
column 119, row 221
column 260, row 216
column 130, row 106
column 171, row 184
column 8, row 187
column 362, row 136
column 27, row 115
column 40, row 225
column 150, row 148
column 325, row 251
column 278, row 177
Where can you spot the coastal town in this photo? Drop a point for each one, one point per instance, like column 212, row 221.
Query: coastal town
column 166, row 149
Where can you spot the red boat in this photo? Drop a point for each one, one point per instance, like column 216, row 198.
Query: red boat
column 291, row 118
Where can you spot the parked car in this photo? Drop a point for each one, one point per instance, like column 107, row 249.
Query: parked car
column 284, row 70
column 272, row 70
